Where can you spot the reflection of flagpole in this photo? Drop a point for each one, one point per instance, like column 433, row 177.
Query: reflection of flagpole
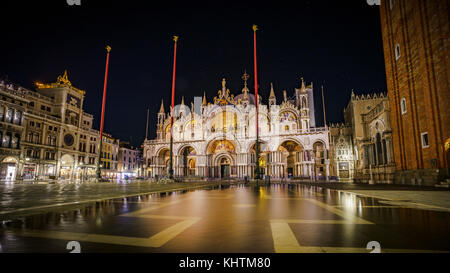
column 175, row 39
column 257, row 172
column 108, row 49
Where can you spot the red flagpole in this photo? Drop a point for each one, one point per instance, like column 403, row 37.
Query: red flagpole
column 255, row 28
column 108, row 49
column 175, row 38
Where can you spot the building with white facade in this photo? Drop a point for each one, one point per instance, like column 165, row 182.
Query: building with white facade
column 216, row 139
column 129, row 165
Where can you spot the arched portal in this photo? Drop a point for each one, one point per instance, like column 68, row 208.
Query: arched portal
column 224, row 164
column 221, row 155
column 291, row 157
column 262, row 159
column 8, row 168
column 67, row 165
column 163, row 161
column 188, row 160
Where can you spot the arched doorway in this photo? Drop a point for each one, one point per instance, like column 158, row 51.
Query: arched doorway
column 66, row 169
column 218, row 166
column 262, row 158
column 292, row 157
column 163, row 161
column 224, row 164
column 8, row 168
column 188, row 156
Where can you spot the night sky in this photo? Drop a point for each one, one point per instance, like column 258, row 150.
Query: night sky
column 334, row 43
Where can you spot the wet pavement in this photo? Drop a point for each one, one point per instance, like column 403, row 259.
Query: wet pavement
column 26, row 199
column 233, row 219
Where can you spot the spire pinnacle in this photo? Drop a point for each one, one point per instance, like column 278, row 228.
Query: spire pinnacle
column 272, row 92
column 161, row 110
column 224, row 84
column 182, row 100
column 303, row 84
column 204, row 98
column 245, row 77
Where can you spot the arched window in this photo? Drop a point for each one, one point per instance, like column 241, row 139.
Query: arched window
column 2, row 112
column 14, row 142
column 397, row 52
column 9, row 115
column 403, row 106
column 7, row 140
column 36, row 138
column 18, row 118
column 304, row 104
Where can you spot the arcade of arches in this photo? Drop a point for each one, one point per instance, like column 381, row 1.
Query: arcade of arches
column 222, row 160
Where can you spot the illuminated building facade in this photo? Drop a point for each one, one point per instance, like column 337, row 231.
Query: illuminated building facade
column 342, row 152
column 362, row 147
column 130, row 162
column 12, row 109
column 48, row 135
column 217, row 139
column 415, row 43
column 110, row 156
column 74, row 157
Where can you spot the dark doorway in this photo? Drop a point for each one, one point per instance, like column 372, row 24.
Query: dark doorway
column 290, row 171
column 224, row 171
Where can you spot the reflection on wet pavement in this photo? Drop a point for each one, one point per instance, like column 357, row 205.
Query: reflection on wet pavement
column 275, row 218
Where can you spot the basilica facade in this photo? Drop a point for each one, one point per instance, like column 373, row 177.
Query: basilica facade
column 217, row 139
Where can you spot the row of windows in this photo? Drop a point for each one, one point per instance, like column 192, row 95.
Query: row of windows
column 12, row 101
column 46, row 108
column 35, row 154
column 9, row 140
column 108, row 165
column 11, row 116
column 43, row 107
column 106, row 155
column 130, row 167
column 129, row 159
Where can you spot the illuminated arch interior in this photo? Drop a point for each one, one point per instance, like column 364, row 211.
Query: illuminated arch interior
column 219, row 146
